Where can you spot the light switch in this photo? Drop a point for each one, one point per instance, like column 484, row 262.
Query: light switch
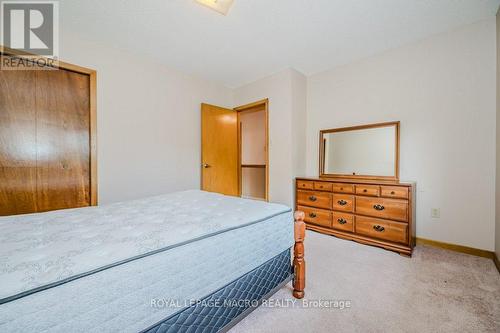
column 435, row 213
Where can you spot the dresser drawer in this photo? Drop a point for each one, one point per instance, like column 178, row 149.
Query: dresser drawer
column 392, row 209
column 383, row 229
column 342, row 188
column 304, row 184
column 343, row 202
column 372, row 190
column 323, row 186
column 394, row 192
column 317, row 216
column 314, row 199
column 343, row 221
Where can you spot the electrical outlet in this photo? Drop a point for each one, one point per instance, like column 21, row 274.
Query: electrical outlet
column 435, row 213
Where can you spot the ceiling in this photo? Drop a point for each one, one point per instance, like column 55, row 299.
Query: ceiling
column 261, row 37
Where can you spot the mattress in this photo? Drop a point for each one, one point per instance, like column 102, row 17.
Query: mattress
column 232, row 302
column 103, row 268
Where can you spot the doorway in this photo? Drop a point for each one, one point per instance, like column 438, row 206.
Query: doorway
column 253, row 150
column 235, row 150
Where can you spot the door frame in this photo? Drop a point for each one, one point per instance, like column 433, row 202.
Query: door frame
column 252, row 107
column 6, row 51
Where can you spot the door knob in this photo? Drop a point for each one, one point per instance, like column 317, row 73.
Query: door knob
column 205, row 165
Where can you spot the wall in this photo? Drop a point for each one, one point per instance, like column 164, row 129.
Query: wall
column 253, row 183
column 442, row 89
column 286, row 128
column 299, row 123
column 253, row 137
column 148, row 121
column 253, row 151
column 497, row 226
column 278, row 89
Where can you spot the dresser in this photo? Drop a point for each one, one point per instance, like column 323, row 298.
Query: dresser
column 373, row 212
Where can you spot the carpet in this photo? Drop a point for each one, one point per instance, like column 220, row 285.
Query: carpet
column 434, row 291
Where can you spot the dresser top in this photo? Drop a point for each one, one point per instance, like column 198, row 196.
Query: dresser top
column 358, row 181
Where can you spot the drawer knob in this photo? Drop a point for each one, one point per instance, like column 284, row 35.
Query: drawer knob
column 312, row 198
column 365, row 190
column 342, row 202
column 312, row 215
column 341, row 188
column 378, row 228
column 378, row 207
column 341, row 221
column 392, row 192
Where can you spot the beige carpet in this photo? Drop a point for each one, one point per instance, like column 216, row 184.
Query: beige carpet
column 434, row 291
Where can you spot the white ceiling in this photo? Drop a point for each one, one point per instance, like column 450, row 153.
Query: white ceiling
column 261, row 37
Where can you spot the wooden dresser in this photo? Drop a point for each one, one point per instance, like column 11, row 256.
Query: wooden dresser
column 379, row 213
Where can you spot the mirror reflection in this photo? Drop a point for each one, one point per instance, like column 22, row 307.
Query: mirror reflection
column 367, row 151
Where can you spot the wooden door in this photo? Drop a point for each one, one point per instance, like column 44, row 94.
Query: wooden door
column 63, row 140
column 18, row 153
column 47, row 140
column 219, row 150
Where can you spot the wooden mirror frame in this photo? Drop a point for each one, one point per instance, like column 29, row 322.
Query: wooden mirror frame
column 322, row 174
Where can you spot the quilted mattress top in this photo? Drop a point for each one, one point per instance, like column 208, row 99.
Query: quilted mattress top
column 45, row 249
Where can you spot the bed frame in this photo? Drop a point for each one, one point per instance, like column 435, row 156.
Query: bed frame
column 299, row 264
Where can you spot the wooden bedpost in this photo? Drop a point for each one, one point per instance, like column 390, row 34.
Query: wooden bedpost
column 299, row 264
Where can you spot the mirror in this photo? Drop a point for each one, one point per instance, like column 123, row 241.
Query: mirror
column 369, row 151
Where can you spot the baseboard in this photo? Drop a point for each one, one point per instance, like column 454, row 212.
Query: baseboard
column 497, row 262
column 458, row 248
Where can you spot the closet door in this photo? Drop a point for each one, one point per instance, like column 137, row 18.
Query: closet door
column 63, row 140
column 18, row 149
column 45, row 141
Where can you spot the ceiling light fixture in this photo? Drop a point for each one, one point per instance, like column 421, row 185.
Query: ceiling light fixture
column 220, row 6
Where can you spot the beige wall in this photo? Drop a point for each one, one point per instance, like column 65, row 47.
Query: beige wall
column 497, row 224
column 286, row 93
column 253, row 183
column 253, row 137
column 253, row 151
column 442, row 89
column 277, row 89
column 148, row 121
column 299, row 123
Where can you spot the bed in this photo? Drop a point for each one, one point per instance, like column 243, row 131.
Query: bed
column 189, row 261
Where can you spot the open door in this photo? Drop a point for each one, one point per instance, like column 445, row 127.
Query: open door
column 219, row 150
